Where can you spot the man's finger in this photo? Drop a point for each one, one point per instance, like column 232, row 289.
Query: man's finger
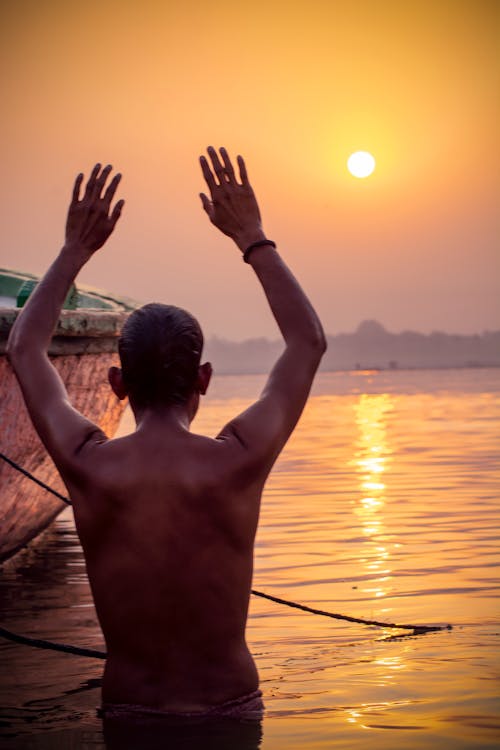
column 117, row 212
column 218, row 167
column 207, row 204
column 76, row 188
column 243, row 171
column 111, row 189
column 91, row 182
column 227, row 165
column 100, row 182
column 207, row 174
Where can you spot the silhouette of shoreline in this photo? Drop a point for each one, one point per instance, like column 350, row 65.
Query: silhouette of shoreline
column 370, row 347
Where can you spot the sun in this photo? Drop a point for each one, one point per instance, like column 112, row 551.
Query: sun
column 361, row 164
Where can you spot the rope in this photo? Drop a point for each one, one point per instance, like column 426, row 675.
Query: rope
column 40, row 643
column 34, row 479
column 417, row 629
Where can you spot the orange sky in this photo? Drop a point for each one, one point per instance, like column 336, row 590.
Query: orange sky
column 295, row 87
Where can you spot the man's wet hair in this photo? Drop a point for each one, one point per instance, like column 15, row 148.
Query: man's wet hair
column 160, row 351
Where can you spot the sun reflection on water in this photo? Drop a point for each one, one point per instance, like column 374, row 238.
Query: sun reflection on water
column 371, row 460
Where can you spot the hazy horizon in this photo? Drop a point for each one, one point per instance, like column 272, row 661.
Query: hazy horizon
column 356, row 328
column 371, row 346
column 295, row 87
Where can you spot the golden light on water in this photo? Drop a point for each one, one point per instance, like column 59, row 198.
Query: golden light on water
column 371, row 460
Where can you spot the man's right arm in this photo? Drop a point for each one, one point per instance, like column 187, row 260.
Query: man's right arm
column 264, row 428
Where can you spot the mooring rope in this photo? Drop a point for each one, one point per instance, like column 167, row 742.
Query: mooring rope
column 77, row 650
column 41, row 643
column 417, row 629
column 34, row 479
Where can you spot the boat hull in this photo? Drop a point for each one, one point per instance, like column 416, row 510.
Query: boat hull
column 26, row 508
column 82, row 350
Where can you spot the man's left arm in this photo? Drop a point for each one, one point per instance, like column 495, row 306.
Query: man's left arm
column 62, row 429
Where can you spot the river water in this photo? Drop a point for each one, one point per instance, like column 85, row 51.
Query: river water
column 384, row 505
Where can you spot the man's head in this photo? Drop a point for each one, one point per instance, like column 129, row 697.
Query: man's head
column 160, row 349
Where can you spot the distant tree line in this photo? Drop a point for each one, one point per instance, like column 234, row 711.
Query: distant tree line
column 370, row 346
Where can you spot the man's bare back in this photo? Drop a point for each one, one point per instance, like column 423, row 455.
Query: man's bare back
column 167, row 518
column 168, row 528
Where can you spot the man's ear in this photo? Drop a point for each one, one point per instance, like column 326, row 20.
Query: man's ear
column 115, row 378
column 204, row 375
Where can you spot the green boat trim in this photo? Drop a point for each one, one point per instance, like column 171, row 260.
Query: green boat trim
column 80, row 297
column 91, row 322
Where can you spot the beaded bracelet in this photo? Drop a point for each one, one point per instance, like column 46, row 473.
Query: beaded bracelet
column 251, row 247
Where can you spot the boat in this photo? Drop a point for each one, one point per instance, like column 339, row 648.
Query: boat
column 82, row 349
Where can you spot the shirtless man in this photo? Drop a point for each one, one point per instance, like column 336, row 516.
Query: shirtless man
column 167, row 518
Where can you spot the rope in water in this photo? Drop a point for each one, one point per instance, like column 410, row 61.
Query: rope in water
column 417, row 629
column 51, row 645
column 40, row 643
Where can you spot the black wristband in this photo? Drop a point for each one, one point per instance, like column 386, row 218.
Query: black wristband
column 251, row 247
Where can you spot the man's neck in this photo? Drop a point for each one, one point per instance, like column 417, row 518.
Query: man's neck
column 169, row 417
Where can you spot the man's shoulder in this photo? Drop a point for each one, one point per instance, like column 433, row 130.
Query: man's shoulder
column 98, row 457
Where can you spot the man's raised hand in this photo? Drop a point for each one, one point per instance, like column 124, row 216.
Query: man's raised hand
column 90, row 221
column 232, row 206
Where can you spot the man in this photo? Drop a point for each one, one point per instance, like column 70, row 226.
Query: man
column 167, row 518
